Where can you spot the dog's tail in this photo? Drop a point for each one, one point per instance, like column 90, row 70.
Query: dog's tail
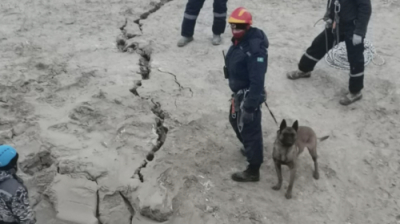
column 323, row 138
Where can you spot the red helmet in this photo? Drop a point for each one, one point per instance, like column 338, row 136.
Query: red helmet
column 241, row 15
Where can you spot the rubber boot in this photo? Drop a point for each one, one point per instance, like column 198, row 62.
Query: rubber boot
column 251, row 174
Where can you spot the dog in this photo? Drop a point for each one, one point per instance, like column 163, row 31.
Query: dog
column 288, row 145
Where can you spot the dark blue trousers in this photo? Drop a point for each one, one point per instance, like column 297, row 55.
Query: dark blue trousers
column 251, row 137
column 192, row 10
column 355, row 55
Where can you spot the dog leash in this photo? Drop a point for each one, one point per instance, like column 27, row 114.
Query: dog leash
column 265, row 102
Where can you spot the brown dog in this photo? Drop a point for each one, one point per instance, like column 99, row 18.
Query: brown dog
column 288, row 145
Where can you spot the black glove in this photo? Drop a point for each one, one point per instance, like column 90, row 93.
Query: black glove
column 247, row 116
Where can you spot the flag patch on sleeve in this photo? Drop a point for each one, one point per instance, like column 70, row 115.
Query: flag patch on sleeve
column 260, row 59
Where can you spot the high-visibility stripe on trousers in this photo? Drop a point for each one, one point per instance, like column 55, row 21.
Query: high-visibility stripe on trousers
column 192, row 11
column 355, row 55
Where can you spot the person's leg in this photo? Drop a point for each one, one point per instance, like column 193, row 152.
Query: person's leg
column 219, row 22
column 253, row 144
column 355, row 55
column 319, row 47
column 192, row 10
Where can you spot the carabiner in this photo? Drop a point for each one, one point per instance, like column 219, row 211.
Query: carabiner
column 337, row 6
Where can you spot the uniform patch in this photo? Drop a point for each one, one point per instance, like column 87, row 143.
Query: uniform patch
column 260, row 59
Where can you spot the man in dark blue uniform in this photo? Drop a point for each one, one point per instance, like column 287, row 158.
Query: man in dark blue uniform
column 192, row 10
column 347, row 20
column 246, row 65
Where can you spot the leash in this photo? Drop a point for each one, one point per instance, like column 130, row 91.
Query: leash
column 272, row 115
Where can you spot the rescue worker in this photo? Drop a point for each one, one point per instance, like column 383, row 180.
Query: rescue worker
column 192, row 10
column 246, row 65
column 346, row 20
column 14, row 200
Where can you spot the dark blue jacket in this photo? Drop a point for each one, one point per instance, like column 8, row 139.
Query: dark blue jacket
column 353, row 11
column 247, row 64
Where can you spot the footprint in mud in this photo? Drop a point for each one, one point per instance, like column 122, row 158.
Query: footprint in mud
column 80, row 82
column 86, row 115
column 67, row 127
column 41, row 66
column 330, row 173
column 6, row 93
column 52, row 99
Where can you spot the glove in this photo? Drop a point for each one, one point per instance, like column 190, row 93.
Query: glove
column 357, row 39
column 328, row 23
column 247, row 116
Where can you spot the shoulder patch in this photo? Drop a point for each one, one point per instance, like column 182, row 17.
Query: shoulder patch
column 260, row 59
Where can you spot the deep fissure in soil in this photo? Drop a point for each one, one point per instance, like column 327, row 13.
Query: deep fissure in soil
column 128, row 205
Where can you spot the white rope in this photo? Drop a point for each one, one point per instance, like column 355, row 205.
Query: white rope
column 337, row 56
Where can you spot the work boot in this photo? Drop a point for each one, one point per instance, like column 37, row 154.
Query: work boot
column 298, row 74
column 249, row 175
column 216, row 40
column 350, row 98
column 184, row 40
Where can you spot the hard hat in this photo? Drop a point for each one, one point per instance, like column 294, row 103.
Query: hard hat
column 7, row 153
column 240, row 15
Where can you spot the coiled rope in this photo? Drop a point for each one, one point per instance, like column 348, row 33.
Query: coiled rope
column 337, row 56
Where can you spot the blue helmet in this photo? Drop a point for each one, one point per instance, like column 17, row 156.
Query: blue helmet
column 7, row 153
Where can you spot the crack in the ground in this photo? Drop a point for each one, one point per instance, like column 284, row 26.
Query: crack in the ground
column 136, row 85
column 138, row 171
column 161, row 130
column 98, row 203
column 144, row 62
column 146, row 14
column 128, row 205
column 176, row 81
column 145, row 70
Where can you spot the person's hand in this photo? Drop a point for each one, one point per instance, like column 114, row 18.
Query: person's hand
column 247, row 116
column 328, row 24
column 357, row 39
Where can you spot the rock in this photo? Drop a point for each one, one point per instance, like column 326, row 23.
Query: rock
column 113, row 209
column 131, row 30
column 6, row 134
column 157, row 207
column 74, row 199
column 37, row 161
column 87, row 168
column 19, row 129
column 44, row 179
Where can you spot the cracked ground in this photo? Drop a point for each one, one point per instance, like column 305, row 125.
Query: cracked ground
column 115, row 124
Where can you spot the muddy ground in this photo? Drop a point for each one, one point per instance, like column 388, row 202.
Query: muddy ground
column 85, row 138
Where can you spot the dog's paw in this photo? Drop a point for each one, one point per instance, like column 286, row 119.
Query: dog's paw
column 276, row 187
column 316, row 175
column 288, row 195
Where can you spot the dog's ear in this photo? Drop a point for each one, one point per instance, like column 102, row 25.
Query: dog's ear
column 283, row 125
column 295, row 125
